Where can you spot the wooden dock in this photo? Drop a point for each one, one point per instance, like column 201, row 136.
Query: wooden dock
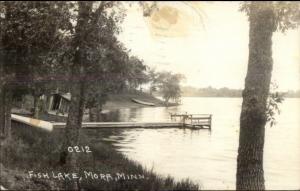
column 187, row 121
column 101, row 125
column 193, row 120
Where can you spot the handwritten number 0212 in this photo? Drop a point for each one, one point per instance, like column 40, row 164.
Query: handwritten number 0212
column 81, row 149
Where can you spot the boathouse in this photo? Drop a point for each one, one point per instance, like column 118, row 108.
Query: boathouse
column 59, row 103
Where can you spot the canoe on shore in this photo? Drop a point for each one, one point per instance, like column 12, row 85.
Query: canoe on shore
column 142, row 102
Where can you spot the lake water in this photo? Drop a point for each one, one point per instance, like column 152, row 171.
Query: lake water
column 209, row 157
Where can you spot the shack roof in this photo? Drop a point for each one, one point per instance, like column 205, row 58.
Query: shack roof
column 66, row 96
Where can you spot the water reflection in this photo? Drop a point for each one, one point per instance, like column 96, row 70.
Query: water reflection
column 111, row 116
column 209, row 157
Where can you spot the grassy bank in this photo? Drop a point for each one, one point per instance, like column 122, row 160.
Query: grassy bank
column 34, row 150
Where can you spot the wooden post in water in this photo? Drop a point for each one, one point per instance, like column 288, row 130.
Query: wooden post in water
column 193, row 120
column 210, row 122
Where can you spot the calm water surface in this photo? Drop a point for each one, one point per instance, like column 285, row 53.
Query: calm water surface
column 209, row 157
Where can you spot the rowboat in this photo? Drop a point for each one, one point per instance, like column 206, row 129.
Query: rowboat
column 142, row 102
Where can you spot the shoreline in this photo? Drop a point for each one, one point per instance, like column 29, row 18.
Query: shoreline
column 124, row 101
column 41, row 148
column 115, row 102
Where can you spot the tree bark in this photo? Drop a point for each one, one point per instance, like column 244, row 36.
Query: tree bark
column 2, row 113
column 77, row 105
column 72, row 129
column 8, row 102
column 250, row 173
column 5, row 112
column 2, row 95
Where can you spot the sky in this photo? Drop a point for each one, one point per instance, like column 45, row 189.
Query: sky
column 207, row 42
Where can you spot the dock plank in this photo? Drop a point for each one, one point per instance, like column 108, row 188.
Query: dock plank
column 124, row 125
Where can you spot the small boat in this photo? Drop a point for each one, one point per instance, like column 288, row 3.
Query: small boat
column 142, row 102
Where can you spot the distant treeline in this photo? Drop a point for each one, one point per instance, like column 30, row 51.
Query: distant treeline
column 188, row 91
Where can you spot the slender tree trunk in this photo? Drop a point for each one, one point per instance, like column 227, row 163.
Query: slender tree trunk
column 5, row 112
column 250, row 173
column 91, row 115
column 2, row 126
column 73, row 127
column 2, row 79
column 8, row 102
column 36, row 105
column 98, row 112
column 95, row 113
column 2, row 92
column 2, row 113
column 76, row 109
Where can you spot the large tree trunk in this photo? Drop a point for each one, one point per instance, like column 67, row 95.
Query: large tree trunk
column 250, row 173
